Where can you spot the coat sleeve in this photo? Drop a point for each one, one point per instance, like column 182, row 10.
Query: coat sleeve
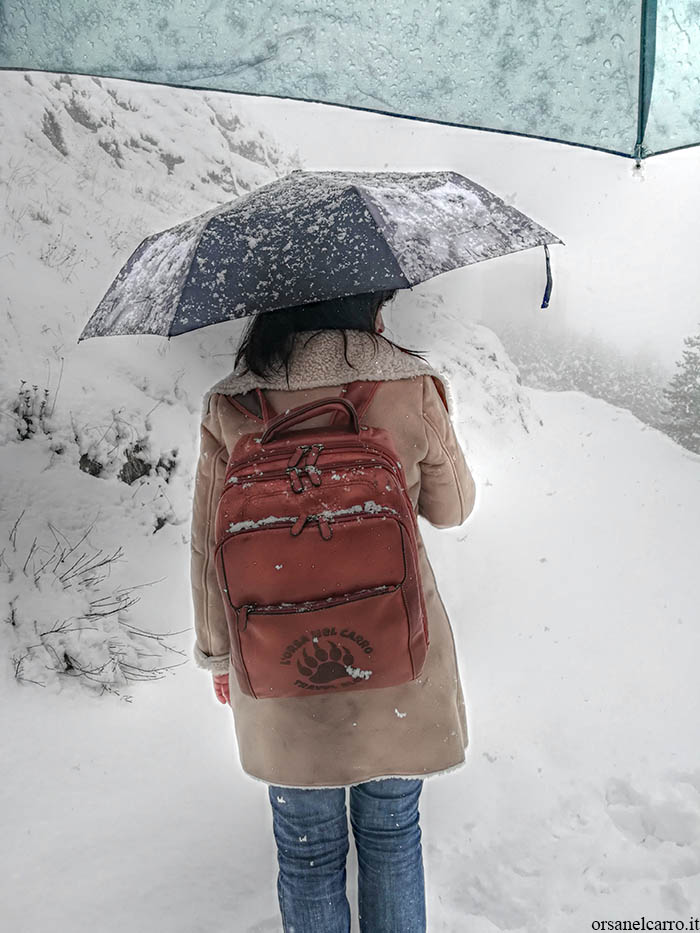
column 448, row 491
column 211, row 648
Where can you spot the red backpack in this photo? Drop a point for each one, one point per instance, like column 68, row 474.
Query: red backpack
column 317, row 556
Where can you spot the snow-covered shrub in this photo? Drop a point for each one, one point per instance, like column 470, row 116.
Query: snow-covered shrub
column 32, row 410
column 64, row 619
column 118, row 449
column 122, row 450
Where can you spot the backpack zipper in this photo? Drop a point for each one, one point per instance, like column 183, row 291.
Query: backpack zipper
column 297, row 522
column 293, row 520
column 382, row 459
column 243, row 612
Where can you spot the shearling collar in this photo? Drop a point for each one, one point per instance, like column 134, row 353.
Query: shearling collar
column 321, row 362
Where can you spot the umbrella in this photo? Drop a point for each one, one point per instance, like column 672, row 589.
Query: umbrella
column 307, row 237
column 572, row 72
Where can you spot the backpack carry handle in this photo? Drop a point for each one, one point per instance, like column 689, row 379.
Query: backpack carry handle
column 311, row 410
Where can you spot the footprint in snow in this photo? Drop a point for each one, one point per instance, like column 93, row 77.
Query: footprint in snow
column 673, row 817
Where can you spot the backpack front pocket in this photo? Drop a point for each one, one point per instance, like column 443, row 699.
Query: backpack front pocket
column 354, row 643
column 322, row 602
column 268, row 564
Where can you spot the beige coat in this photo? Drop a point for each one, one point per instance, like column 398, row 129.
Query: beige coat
column 413, row 730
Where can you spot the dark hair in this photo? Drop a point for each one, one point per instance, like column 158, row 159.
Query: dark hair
column 268, row 340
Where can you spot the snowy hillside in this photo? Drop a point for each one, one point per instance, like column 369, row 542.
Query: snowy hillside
column 102, row 436
column 572, row 589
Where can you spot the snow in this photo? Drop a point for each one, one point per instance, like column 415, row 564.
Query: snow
column 572, row 589
column 249, row 524
column 370, row 507
column 482, row 226
column 158, row 268
column 357, row 672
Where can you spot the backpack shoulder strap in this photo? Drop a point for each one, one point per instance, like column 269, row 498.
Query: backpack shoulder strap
column 268, row 412
column 360, row 393
column 254, row 404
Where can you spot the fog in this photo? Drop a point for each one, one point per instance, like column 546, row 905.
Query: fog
column 629, row 271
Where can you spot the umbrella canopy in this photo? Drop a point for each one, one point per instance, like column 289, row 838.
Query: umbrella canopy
column 308, row 237
column 622, row 77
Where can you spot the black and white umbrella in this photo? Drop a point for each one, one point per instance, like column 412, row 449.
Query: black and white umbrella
column 308, row 237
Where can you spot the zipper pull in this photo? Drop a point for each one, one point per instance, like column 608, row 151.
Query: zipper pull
column 242, row 617
column 325, row 529
column 298, row 525
column 297, row 455
column 295, row 479
column 312, row 471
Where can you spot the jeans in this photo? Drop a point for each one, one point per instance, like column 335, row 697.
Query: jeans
column 311, row 832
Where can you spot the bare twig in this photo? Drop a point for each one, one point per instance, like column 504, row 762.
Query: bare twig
column 31, row 551
column 46, row 562
column 13, row 531
column 110, row 612
column 73, row 548
column 67, row 575
column 58, row 386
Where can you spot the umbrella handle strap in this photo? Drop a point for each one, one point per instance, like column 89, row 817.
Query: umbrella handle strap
column 548, row 287
column 311, row 410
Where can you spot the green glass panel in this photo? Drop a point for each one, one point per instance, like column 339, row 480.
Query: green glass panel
column 560, row 69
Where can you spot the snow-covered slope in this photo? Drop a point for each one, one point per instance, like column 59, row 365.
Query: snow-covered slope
column 88, row 169
column 573, row 587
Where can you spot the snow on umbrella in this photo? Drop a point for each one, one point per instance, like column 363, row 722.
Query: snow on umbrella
column 308, row 237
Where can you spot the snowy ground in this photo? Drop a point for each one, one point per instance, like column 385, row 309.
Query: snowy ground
column 573, row 587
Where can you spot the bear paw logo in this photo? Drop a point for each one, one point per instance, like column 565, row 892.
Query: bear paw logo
column 324, row 666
